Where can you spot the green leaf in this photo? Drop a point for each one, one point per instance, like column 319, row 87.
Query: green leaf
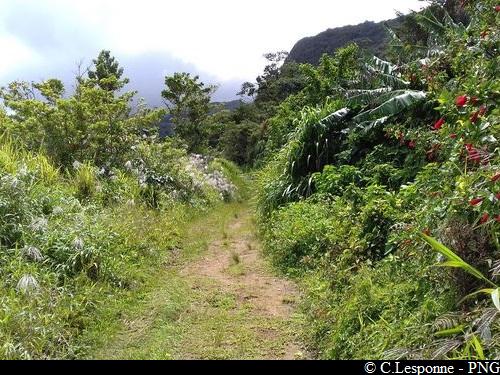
column 451, row 331
column 393, row 106
column 477, row 347
column 363, row 97
column 453, row 259
column 432, row 25
column 383, row 66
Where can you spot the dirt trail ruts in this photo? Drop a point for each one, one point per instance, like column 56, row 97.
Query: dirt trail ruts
column 216, row 298
column 236, row 267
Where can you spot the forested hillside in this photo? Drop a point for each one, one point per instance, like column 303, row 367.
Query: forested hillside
column 370, row 36
column 370, row 184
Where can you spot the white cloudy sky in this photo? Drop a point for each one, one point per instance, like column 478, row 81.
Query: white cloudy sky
column 222, row 40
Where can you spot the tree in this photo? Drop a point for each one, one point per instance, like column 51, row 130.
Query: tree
column 188, row 100
column 107, row 72
column 279, row 80
column 91, row 125
column 51, row 89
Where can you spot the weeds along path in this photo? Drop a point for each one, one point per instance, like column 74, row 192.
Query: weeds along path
column 217, row 300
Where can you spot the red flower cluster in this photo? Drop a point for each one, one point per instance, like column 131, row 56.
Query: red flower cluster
column 439, row 124
column 484, row 218
column 495, row 178
column 473, row 152
column 476, row 201
column 461, row 101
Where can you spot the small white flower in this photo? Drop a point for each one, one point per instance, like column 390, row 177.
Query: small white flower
column 32, row 253
column 128, row 165
column 77, row 164
column 27, row 283
column 78, row 243
column 39, row 224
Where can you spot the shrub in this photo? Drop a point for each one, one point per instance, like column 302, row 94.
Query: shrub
column 376, row 218
column 300, row 234
column 85, row 181
column 336, row 180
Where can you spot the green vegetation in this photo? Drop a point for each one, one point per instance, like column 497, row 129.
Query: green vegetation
column 366, row 158
column 375, row 184
column 92, row 204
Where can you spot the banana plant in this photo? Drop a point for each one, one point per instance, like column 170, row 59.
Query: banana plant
column 380, row 104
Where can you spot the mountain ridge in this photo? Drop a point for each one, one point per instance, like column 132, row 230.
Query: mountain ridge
column 370, row 36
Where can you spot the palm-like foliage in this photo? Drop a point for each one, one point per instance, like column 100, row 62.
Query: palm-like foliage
column 321, row 133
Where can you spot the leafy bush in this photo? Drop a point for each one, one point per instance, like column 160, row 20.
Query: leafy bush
column 377, row 217
column 300, row 234
column 337, row 180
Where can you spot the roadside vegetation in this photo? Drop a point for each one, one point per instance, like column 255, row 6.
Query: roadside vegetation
column 375, row 183
column 381, row 193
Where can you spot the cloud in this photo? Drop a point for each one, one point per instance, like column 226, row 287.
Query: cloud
column 147, row 73
column 221, row 40
column 18, row 54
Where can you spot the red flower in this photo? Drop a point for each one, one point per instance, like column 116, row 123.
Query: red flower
column 497, row 196
column 497, row 8
column 475, row 157
column 497, row 218
column 474, row 117
column 476, row 201
column 439, row 124
column 495, row 178
column 482, row 110
column 411, row 145
column 453, row 136
column 484, row 218
column 473, row 153
column 461, row 101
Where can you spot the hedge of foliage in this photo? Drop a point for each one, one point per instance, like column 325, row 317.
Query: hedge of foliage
column 378, row 160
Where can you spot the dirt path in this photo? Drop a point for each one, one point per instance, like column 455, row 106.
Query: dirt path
column 222, row 301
